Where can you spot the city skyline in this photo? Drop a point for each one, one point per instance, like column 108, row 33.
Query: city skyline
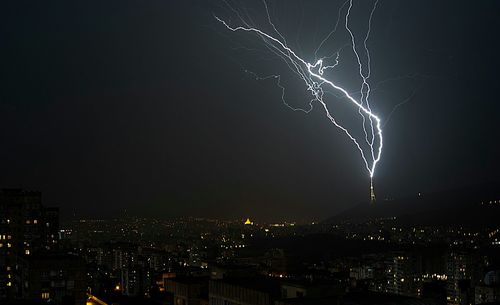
column 240, row 152
column 383, row 257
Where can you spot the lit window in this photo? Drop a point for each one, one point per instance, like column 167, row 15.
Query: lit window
column 28, row 222
column 9, row 284
column 1, row 245
column 35, row 221
column 45, row 295
column 9, row 245
column 27, row 252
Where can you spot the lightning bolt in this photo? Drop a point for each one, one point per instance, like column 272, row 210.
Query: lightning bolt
column 317, row 84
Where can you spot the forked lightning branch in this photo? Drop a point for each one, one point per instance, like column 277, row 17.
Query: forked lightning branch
column 315, row 80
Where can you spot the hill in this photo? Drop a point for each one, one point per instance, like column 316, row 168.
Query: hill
column 476, row 205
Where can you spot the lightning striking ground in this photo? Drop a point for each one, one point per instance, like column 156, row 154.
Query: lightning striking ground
column 312, row 74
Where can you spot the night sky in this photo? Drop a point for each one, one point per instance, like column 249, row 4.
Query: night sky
column 145, row 106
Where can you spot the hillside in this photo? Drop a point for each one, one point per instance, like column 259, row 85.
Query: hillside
column 463, row 206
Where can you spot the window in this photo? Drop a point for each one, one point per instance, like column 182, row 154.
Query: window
column 45, row 295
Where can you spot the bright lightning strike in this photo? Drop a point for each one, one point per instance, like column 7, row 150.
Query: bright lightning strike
column 312, row 74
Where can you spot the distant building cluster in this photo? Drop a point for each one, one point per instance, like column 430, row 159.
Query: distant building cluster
column 131, row 260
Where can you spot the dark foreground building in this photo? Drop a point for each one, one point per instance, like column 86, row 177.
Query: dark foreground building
column 60, row 278
column 30, row 268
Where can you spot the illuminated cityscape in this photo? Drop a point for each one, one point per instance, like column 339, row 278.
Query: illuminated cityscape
column 240, row 152
column 243, row 261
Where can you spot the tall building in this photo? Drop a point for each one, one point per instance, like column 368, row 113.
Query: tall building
column 463, row 273
column 372, row 193
column 403, row 274
column 26, row 228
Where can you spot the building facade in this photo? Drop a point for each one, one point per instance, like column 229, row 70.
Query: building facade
column 26, row 228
